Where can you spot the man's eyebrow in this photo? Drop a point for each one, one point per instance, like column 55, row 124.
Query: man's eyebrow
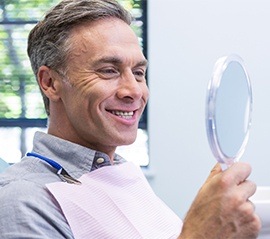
column 109, row 59
column 142, row 63
column 118, row 61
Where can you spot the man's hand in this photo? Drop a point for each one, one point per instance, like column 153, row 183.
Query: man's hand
column 222, row 208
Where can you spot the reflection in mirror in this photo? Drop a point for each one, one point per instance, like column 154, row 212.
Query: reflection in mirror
column 228, row 109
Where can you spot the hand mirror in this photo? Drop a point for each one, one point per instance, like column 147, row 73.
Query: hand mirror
column 228, row 109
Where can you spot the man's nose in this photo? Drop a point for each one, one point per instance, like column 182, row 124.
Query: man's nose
column 129, row 87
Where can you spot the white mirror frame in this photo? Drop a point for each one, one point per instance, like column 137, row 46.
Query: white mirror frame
column 212, row 90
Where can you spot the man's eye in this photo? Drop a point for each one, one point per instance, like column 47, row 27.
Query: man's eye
column 139, row 74
column 108, row 72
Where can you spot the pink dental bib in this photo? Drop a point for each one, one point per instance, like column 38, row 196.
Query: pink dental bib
column 115, row 202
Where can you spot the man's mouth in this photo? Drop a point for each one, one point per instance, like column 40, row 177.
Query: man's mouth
column 123, row 114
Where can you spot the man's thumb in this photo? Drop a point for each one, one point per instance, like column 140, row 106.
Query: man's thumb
column 215, row 170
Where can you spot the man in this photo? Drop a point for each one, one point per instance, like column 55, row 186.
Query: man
column 91, row 72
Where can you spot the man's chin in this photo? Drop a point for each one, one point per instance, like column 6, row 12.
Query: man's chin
column 127, row 141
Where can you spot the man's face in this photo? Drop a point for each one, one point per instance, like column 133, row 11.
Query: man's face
column 105, row 91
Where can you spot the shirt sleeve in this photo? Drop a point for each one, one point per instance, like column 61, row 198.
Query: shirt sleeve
column 29, row 211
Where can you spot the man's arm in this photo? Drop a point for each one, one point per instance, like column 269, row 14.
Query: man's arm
column 29, row 211
column 222, row 208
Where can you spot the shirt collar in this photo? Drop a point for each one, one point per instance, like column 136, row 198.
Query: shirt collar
column 74, row 158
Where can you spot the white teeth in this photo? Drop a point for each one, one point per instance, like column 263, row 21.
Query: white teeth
column 123, row 114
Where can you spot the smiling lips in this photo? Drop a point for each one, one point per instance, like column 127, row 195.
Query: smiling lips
column 123, row 114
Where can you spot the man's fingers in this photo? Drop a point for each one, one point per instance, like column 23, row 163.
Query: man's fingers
column 240, row 172
column 247, row 188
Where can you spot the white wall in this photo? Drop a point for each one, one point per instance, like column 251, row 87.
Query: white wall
column 186, row 37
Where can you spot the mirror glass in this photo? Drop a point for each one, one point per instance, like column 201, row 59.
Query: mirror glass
column 228, row 109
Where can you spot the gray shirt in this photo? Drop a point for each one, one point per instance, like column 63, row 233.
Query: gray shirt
column 27, row 209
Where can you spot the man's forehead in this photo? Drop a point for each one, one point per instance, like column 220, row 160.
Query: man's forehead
column 116, row 46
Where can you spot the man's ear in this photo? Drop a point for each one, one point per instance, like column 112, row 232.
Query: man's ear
column 49, row 83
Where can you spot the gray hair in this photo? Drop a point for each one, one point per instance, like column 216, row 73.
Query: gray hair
column 48, row 41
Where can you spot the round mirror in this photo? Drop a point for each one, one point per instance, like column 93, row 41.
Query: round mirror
column 228, row 109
